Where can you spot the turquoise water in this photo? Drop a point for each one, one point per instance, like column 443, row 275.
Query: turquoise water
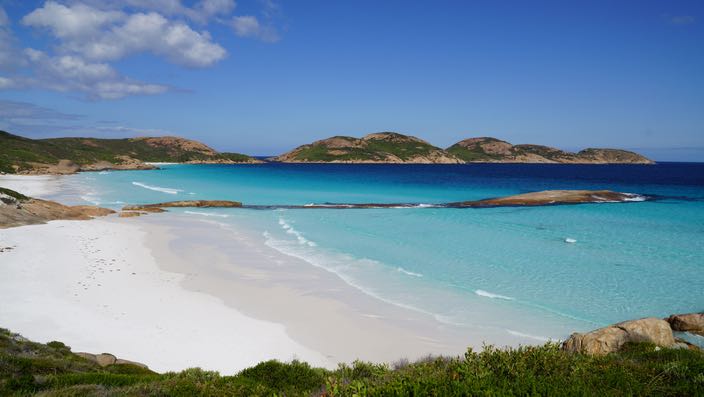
column 503, row 269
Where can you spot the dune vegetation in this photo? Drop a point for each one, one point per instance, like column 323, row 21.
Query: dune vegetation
column 29, row 368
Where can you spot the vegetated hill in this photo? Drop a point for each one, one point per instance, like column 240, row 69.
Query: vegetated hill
column 29, row 368
column 492, row 150
column 382, row 147
column 19, row 154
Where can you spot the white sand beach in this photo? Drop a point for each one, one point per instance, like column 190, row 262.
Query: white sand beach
column 176, row 291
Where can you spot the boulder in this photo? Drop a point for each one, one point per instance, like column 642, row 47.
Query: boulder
column 105, row 359
column 691, row 322
column 612, row 338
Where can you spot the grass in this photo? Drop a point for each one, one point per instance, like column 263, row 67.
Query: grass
column 29, row 368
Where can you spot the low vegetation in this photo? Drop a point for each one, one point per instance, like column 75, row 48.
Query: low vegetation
column 29, row 368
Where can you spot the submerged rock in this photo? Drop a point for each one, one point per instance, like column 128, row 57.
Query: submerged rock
column 552, row 197
column 184, row 204
column 612, row 338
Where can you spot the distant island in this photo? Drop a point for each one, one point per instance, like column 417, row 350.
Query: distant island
column 70, row 155
column 392, row 147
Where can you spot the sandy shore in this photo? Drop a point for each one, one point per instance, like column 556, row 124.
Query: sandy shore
column 175, row 291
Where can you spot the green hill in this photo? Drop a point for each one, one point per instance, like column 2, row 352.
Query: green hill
column 19, row 154
column 492, row 150
column 382, row 147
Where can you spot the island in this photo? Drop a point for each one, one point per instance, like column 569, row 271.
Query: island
column 492, row 150
column 382, row 147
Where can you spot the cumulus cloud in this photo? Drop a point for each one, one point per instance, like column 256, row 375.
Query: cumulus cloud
column 101, row 35
column 71, row 22
column 88, row 36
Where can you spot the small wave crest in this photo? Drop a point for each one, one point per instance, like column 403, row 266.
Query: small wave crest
column 299, row 236
column 206, row 214
column 634, row 197
column 404, row 271
column 91, row 198
column 492, row 295
column 158, row 188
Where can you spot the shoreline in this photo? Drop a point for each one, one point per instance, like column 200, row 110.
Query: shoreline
column 288, row 308
column 307, row 312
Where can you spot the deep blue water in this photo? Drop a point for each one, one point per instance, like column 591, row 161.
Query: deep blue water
column 508, row 269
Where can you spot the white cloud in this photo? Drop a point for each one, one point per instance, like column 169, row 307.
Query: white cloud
column 67, row 73
column 88, row 35
column 245, row 25
column 249, row 26
column 101, row 35
column 201, row 12
column 77, row 21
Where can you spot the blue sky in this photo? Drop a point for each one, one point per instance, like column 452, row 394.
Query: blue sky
column 263, row 76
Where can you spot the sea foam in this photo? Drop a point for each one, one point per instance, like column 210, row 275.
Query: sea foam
column 492, row 295
column 206, row 214
column 158, row 188
column 404, row 271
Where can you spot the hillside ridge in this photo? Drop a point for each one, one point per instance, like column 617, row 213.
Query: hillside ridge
column 68, row 155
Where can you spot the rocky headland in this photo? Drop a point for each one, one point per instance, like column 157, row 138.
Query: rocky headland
column 19, row 155
column 19, row 210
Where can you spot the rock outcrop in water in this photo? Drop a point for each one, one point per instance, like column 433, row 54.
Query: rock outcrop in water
column 184, row 204
column 19, row 210
column 692, row 322
column 552, row 197
column 492, row 150
column 547, row 197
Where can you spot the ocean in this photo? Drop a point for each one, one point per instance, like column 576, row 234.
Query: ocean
column 504, row 270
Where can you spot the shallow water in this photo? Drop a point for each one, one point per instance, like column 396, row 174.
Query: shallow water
column 503, row 269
